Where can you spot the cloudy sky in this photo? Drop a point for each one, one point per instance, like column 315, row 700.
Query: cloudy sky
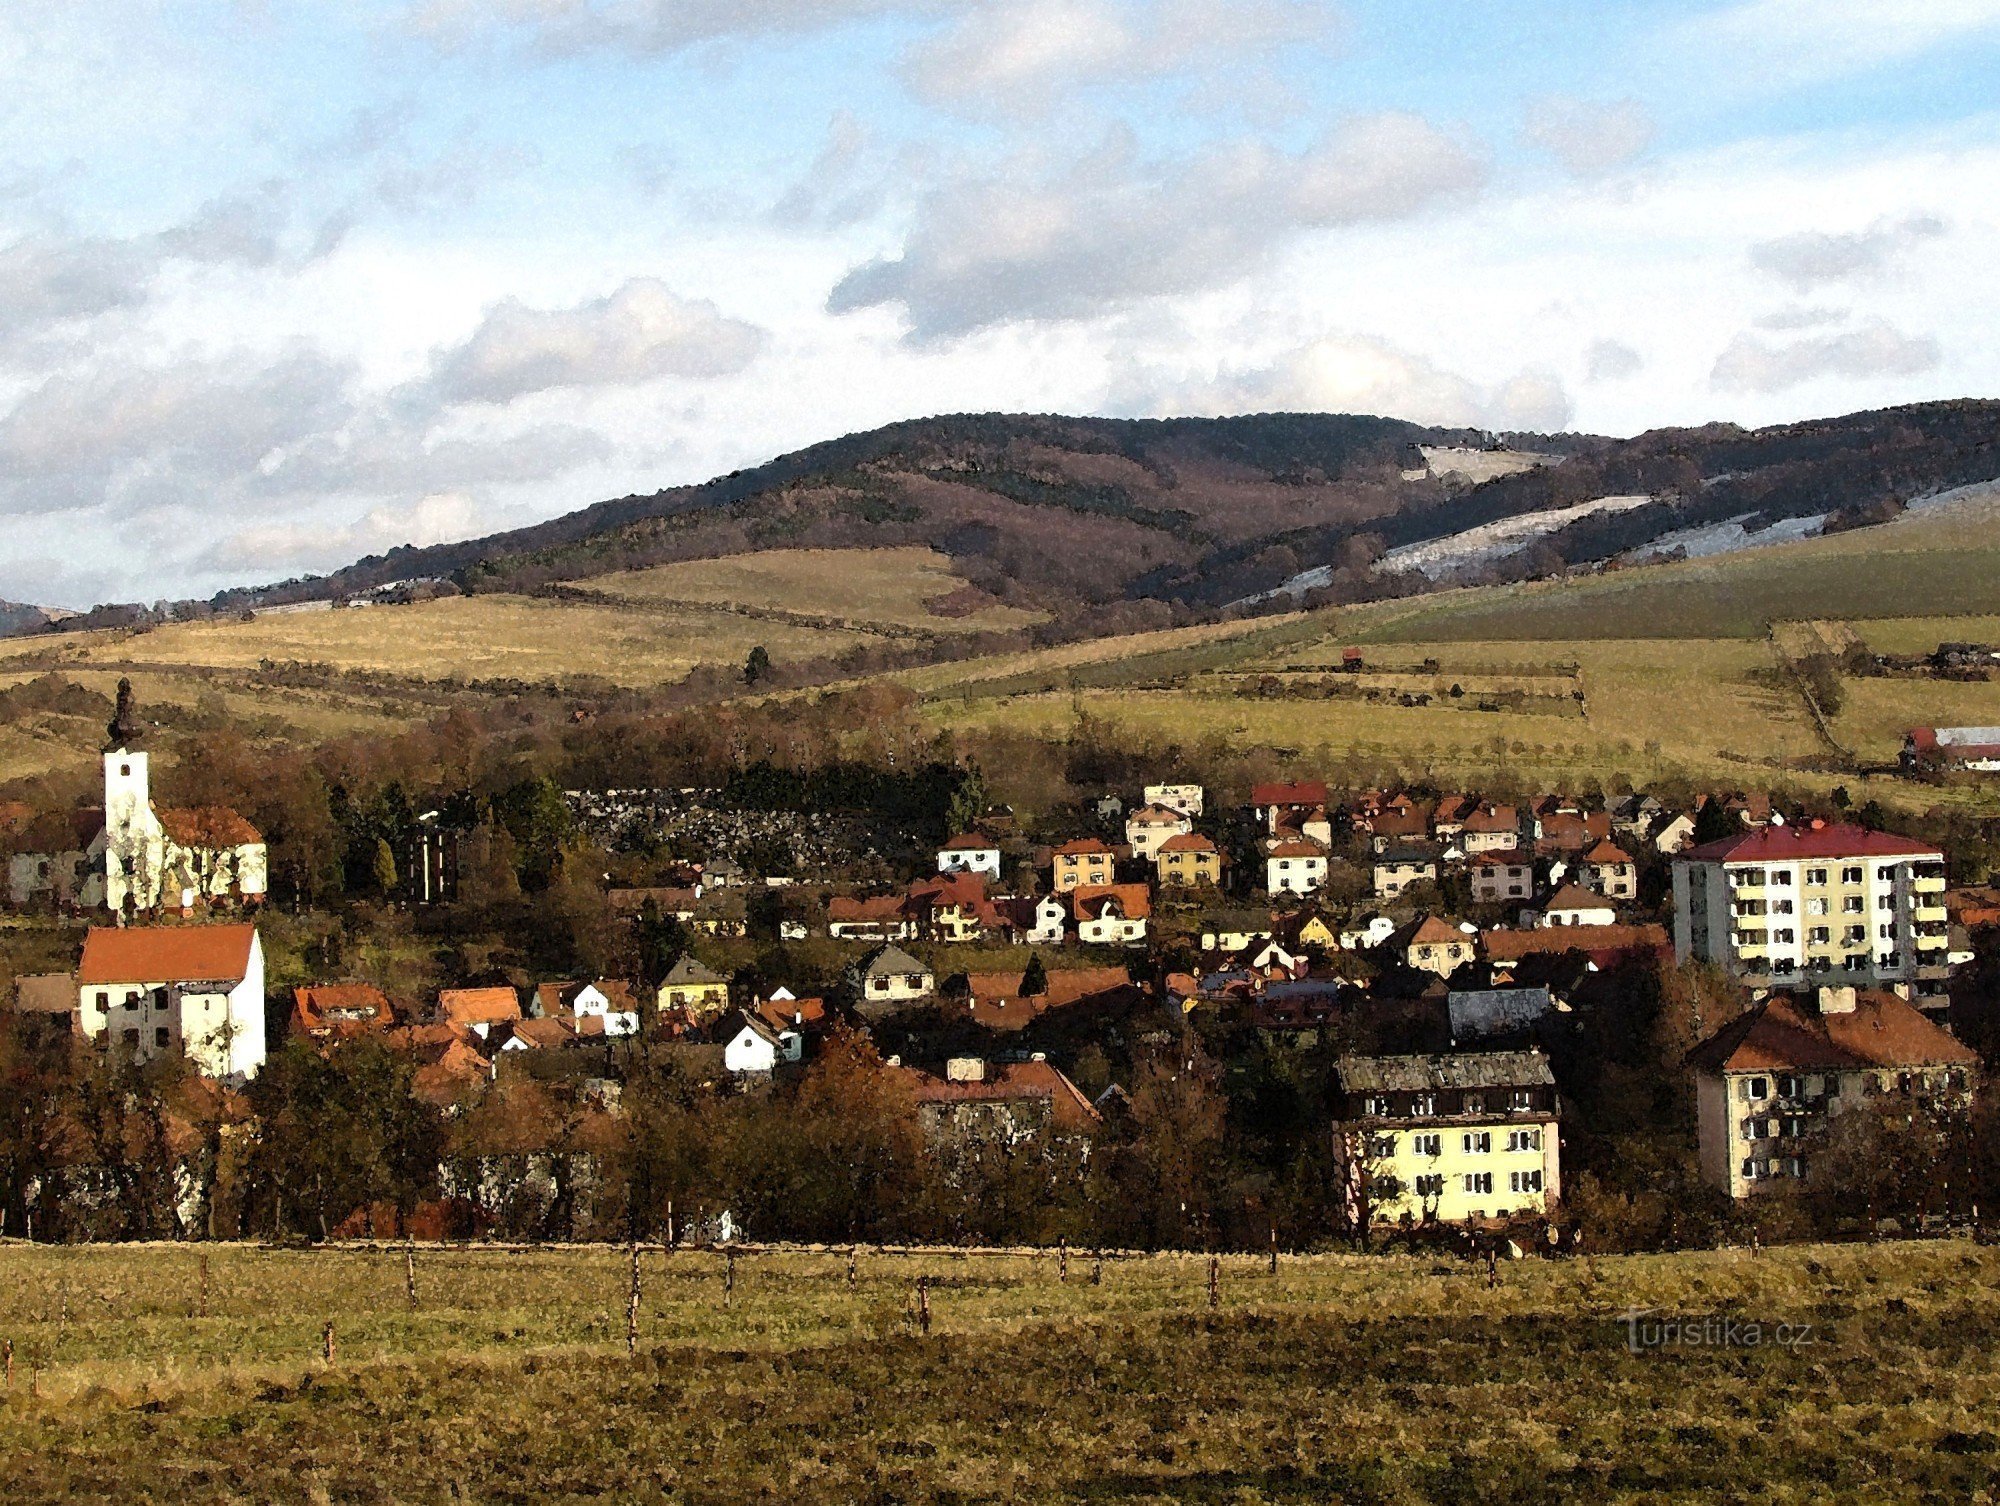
column 283, row 282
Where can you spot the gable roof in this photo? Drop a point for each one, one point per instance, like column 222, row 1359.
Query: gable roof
column 1156, row 815
column 1135, row 901
column 691, row 971
column 1012, row 1082
column 1188, row 841
column 970, row 841
column 1576, row 897
column 1434, row 931
column 1473, row 1013
column 478, row 1006
column 1607, row 851
column 1785, row 844
column 842, row 910
column 1300, row 792
column 45, row 993
column 166, row 954
column 1881, row 1031
column 890, row 959
column 1084, row 847
column 1297, row 850
column 341, row 1007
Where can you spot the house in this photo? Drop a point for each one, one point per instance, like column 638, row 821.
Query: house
column 1085, row 861
column 1185, row 798
column 1802, row 905
column 172, row 858
column 1437, row 946
column 1398, row 824
column 608, row 1001
column 890, row 976
column 1295, row 868
column 883, row 918
column 48, row 1000
column 995, row 1000
column 977, row 1101
column 1974, row 748
column 1115, row 915
column 755, row 1046
column 1047, row 920
column 1368, row 935
column 970, row 853
column 1673, row 833
column 694, row 989
column 1974, row 908
column 194, row 991
column 1307, row 930
column 955, row 907
column 1273, row 802
column 1491, row 828
column 1189, row 861
column 1304, row 826
column 1398, row 868
column 544, row 1033
column 1769, row 1083
column 1496, row 880
column 1604, row 946
column 330, row 1011
column 478, row 1011
column 1448, row 1138
column 1609, row 869
column 57, row 857
column 1574, row 905
column 785, row 1010
column 1148, row 827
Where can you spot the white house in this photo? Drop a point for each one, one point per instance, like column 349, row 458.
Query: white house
column 1113, row 916
column 757, row 1047
column 606, row 999
column 970, row 853
column 1295, row 868
column 1574, row 905
column 1185, row 798
column 1151, row 825
column 198, row 991
column 1377, row 929
column 1051, row 921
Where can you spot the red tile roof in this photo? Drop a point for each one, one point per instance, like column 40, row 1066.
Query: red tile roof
column 1607, row 852
column 1084, row 847
column 212, row 826
column 478, row 1006
column 844, row 911
column 1188, row 841
column 1594, row 941
column 1437, row 932
column 1135, row 901
column 1012, row 1082
column 1881, row 1031
column 1576, row 897
column 166, row 954
column 1303, row 792
column 342, row 1008
column 970, row 841
column 1785, row 844
column 1298, row 850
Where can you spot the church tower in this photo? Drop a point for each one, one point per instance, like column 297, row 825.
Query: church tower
column 131, row 831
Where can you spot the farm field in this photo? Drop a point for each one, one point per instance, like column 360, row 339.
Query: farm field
column 875, row 587
column 1393, row 1378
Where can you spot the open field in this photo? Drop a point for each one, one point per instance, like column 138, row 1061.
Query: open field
column 1385, row 1379
column 875, row 587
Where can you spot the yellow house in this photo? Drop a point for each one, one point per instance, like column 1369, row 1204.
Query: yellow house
column 696, row 988
column 1189, row 861
column 1083, row 863
column 1448, row 1138
column 1438, row 946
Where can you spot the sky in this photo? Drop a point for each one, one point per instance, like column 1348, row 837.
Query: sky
column 286, row 282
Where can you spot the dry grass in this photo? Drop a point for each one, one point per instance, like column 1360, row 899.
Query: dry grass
column 892, row 587
column 1389, row 1379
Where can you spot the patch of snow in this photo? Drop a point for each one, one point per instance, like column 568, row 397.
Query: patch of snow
column 1495, row 541
column 1463, row 464
column 1730, row 536
column 1977, row 494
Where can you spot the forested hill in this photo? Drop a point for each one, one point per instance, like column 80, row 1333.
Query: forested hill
column 1065, row 514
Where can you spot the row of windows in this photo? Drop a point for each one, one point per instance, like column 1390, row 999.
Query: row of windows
column 1788, row 1126
column 1480, row 1183
column 1781, row 878
column 1424, row 1105
column 1759, row 1168
column 1789, row 1085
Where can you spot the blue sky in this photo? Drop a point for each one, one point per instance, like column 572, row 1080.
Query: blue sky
column 282, row 283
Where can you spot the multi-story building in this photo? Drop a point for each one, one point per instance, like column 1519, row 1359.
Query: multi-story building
column 1768, row 1083
column 1086, row 861
column 1470, row 1135
column 193, row 991
column 1295, row 868
column 1795, row 906
column 1147, row 828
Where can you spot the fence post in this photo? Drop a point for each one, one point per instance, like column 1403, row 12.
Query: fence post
column 670, row 1223
column 201, row 1306
column 410, row 1272
column 728, row 1277
column 9, row 1351
column 924, row 1304
column 1062, row 1262
column 632, row 1308
column 851, row 1276
column 1214, row 1282
column 1274, row 1249
column 326, row 1340
column 1097, row 1268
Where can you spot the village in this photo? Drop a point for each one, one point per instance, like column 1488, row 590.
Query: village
column 1460, row 973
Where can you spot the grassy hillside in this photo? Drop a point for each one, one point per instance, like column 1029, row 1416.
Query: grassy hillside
column 1387, row 1379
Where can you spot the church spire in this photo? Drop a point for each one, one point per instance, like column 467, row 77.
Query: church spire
column 124, row 729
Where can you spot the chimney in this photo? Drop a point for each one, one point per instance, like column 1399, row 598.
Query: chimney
column 965, row 1069
column 1837, row 1000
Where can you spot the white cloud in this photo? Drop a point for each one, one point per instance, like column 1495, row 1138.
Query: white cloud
column 439, row 518
column 1111, row 228
column 1356, row 374
column 1874, row 350
column 1013, row 57
column 641, row 331
column 1612, row 361
column 1813, row 257
column 568, row 27
column 1589, row 138
column 1773, row 42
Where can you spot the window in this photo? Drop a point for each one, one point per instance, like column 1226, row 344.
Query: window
column 1788, row 1086
column 1520, row 1099
column 1818, row 935
column 1854, row 875
column 1885, row 901
column 1885, row 874
column 1381, row 1147
column 1751, row 1169
column 1477, row 1142
column 1854, row 904
column 1424, row 1105
column 1524, row 1139
column 1375, row 1108
column 1473, row 1103
column 1427, row 1145
column 1782, row 877
column 1478, row 1182
column 161, row 1037
column 1816, row 907
column 1816, row 877
column 1755, row 1088
column 1781, row 907
column 1431, row 1186
column 1524, row 1181
column 1785, row 934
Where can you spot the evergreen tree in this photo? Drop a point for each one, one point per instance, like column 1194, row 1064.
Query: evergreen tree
column 757, row 666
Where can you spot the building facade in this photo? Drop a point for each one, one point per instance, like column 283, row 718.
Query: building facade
column 195, row 991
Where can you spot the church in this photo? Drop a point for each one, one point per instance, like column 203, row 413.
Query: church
column 143, row 860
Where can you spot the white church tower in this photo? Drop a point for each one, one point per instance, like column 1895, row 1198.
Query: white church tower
column 133, row 841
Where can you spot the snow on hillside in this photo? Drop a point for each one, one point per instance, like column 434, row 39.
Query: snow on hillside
column 1495, row 541
column 1728, row 537
column 1460, row 464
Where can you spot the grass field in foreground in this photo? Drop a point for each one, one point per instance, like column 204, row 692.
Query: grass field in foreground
column 1384, row 1379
